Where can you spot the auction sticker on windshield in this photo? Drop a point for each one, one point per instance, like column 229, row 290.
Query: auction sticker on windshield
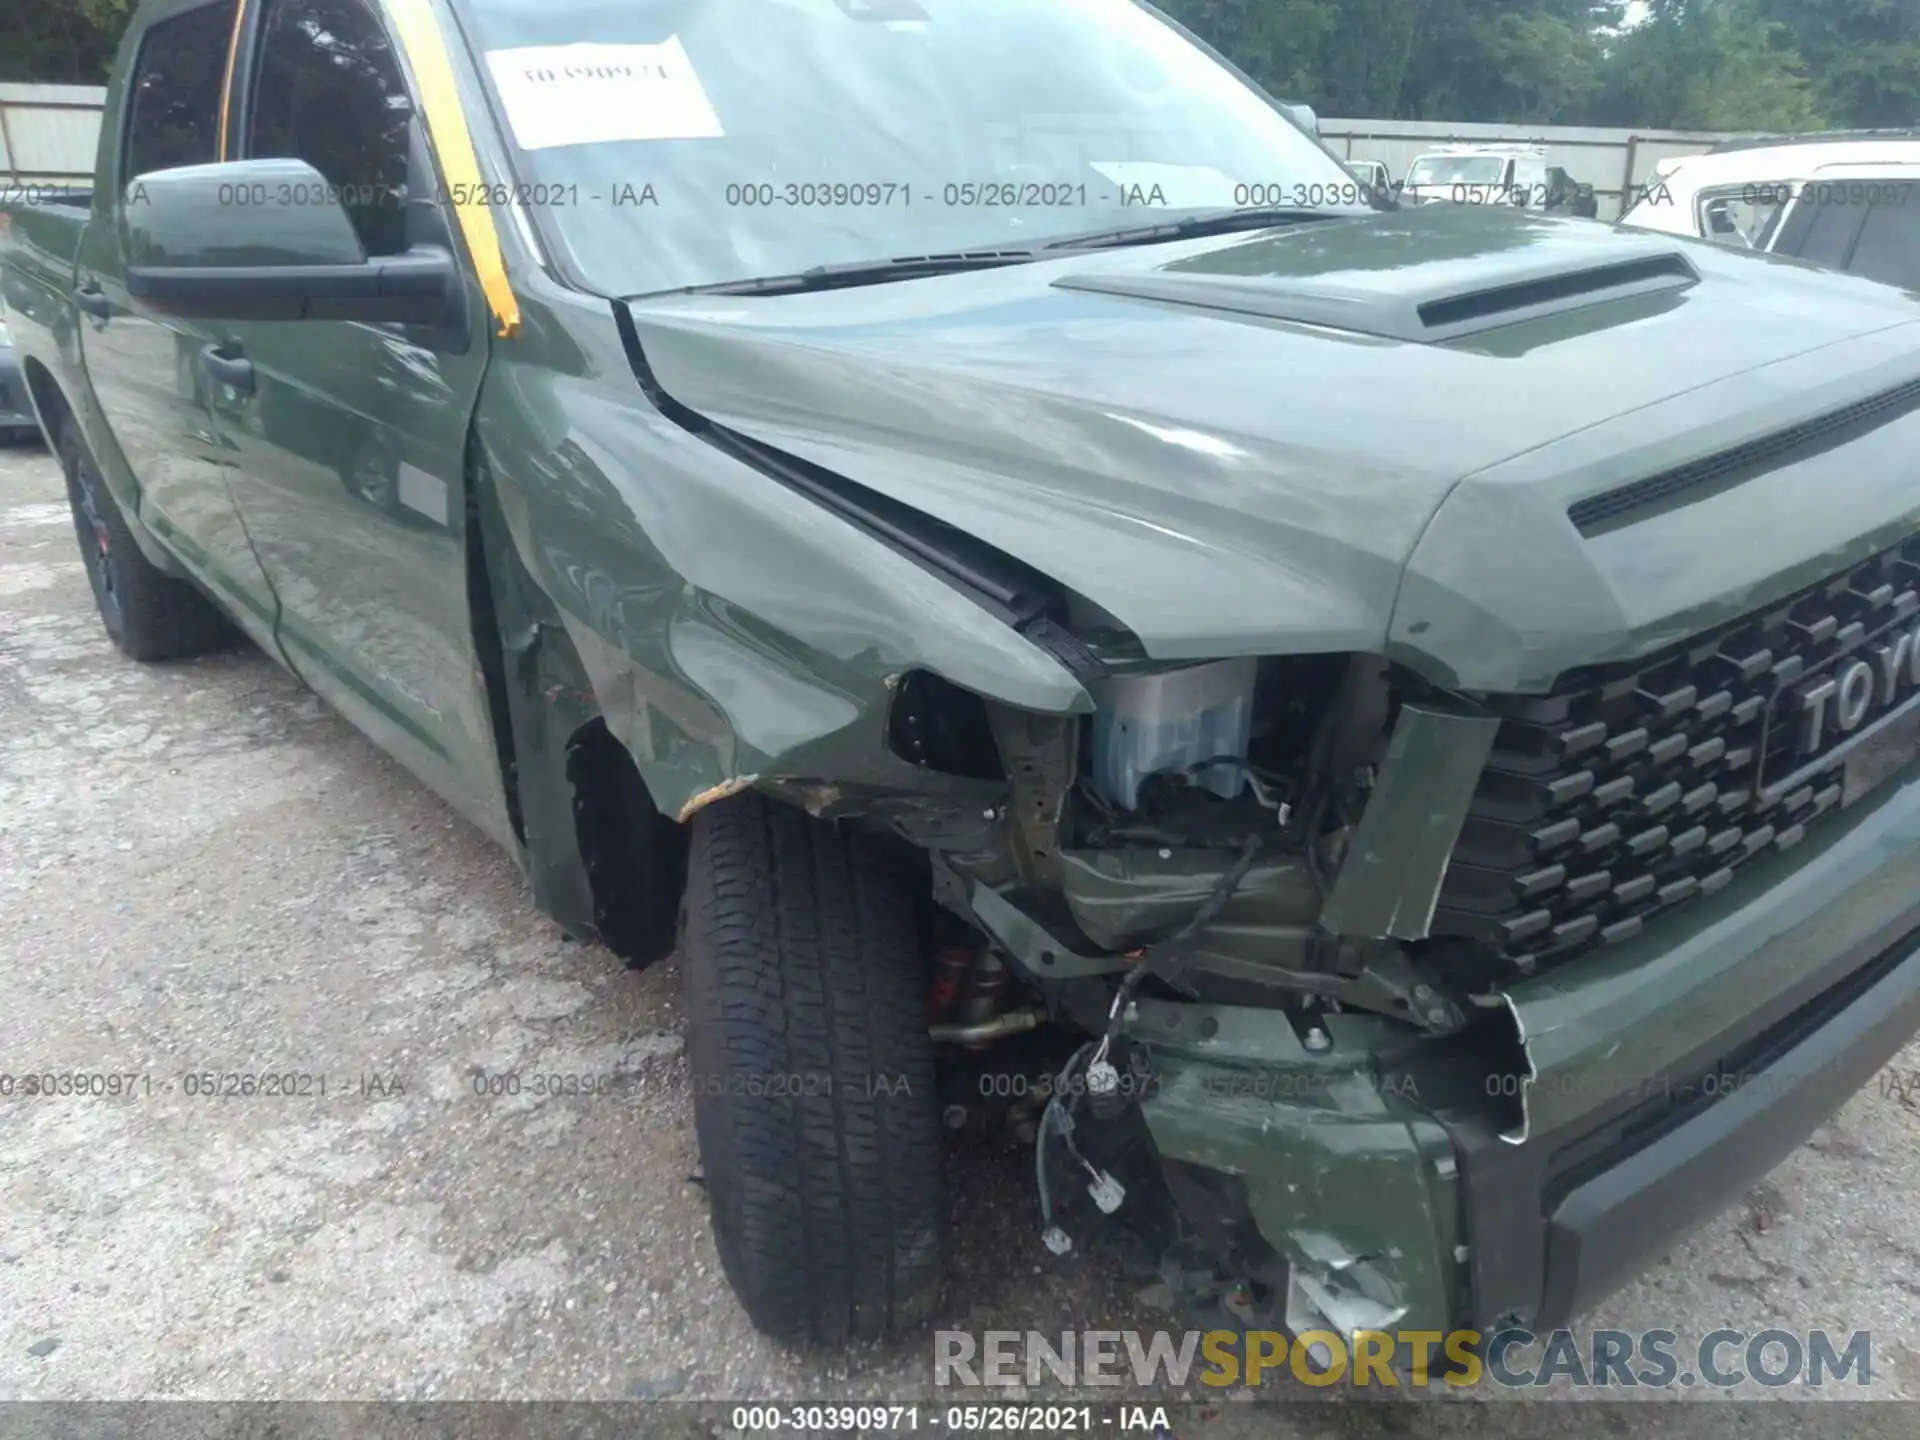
column 589, row 94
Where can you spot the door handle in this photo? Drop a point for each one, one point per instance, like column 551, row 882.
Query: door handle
column 92, row 300
column 233, row 371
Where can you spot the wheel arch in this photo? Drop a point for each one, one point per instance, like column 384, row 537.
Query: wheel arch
column 57, row 412
column 601, row 857
column 49, row 401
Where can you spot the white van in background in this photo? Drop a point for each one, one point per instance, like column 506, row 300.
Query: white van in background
column 1479, row 175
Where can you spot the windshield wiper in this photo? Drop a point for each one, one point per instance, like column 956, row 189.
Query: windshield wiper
column 1207, row 222
column 865, row 272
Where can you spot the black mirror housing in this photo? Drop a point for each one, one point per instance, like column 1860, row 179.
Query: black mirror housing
column 421, row 287
column 270, row 240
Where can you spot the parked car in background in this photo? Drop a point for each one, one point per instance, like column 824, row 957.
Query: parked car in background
column 1740, row 192
column 1568, row 196
column 1864, row 220
column 1480, row 175
column 1373, row 174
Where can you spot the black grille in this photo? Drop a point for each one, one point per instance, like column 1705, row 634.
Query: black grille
column 1631, row 790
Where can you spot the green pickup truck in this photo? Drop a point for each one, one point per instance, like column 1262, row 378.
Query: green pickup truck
column 1379, row 742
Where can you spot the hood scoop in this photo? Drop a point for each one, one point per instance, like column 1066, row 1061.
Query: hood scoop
column 1409, row 302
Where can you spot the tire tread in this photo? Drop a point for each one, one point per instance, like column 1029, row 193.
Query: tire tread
column 802, row 961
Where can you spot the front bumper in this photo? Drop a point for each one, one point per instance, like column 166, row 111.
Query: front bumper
column 1672, row 1076
column 16, row 406
column 1667, row 1076
column 1742, row 1123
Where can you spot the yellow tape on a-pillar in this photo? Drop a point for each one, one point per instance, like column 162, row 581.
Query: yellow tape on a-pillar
column 226, row 80
column 452, row 141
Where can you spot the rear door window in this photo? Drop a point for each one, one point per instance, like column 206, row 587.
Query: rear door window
column 173, row 104
column 1744, row 216
column 1821, row 226
column 1889, row 245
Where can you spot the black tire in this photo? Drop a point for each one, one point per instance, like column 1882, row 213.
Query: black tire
column 148, row 615
column 812, row 1073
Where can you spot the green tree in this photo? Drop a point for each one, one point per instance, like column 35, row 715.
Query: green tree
column 1863, row 55
column 1708, row 65
column 1343, row 59
column 60, row 41
column 1514, row 61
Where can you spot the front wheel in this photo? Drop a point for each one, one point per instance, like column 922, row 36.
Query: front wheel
column 812, row 1073
column 148, row 614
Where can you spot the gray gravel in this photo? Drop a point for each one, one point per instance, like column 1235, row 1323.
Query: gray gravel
column 202, row 869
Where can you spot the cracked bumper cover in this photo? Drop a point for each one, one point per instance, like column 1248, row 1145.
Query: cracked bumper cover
column 1667, row 1077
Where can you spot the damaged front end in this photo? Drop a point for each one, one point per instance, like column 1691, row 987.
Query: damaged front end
column 1202, row 886
column 1222, row 883
column 1255, row 901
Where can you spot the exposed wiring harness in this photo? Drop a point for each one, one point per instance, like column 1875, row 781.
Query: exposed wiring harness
column 1270, row 789
column 1055, row 1117
column 1265, row 784
column 1164, row 961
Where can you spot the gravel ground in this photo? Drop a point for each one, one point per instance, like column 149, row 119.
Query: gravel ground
column 202, row 869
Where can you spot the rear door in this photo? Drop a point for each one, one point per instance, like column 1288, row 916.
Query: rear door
column 350, row 438
column 145, row 368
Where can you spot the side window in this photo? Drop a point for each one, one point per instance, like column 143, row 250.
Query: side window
column 1826, row 231
column 173, row 99
column 1889, row 244
column 1742, row 217
column 329, row 90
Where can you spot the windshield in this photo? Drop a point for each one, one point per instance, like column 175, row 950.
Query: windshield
column 1457, row 170
column 662, row 144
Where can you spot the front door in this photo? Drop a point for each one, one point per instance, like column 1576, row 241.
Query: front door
column 350, row 439
column 146, row 369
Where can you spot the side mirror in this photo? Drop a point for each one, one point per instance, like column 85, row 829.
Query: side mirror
column 270, row 240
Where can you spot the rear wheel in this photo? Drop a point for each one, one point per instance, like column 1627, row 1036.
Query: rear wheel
column 812, row 1073
column 149, row 615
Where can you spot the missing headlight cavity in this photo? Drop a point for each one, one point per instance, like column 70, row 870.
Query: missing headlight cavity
column 1201, row 753
column 937, row 725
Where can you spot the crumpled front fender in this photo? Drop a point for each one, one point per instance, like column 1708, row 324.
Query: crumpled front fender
column 734, row 632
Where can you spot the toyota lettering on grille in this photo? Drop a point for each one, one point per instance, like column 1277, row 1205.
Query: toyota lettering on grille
column 1869, row 685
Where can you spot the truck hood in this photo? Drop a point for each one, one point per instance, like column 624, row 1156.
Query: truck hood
column 1236, row 446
